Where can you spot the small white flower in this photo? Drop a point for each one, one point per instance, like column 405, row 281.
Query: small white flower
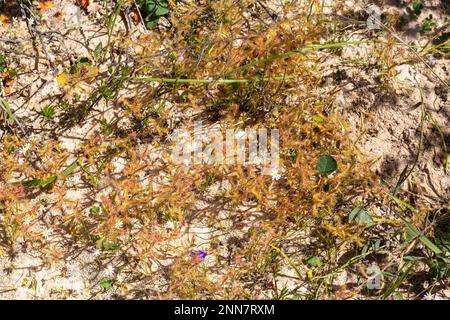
column 169, row 137
column 15, row 21
column 20, row 160
column 30, row 21
column 97, row 253
column 74, row 180
column 47, row 234
column 118, row 224
column 109, row 271
column 24, row 149
column 375, row 73
column 428, row 296
column 27, row 220
column 275, row 174
column 120, row 277
column 170, row 225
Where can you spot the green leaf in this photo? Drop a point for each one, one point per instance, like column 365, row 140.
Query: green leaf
column 314, row 261
column 151, row 21
column 48, row 182
column 160, row 11
column 3, row 64
column 74, row 68
column 106, row 283
column 412, row 258
column 70, row 169
column 444, row 241
column 152, row 10
column 428, row 24
column 413, row 233
column 417, row 7
column 398, row 296
column 8, row 109
column 40, row 183
column 326, row 165
column 361, row 216
column 48, row 112
column 95, row 210
column 442, row 43
column 98, row 51
column 109, row 246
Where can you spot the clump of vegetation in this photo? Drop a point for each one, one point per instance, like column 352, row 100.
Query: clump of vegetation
column 117, row 194
column 153, row 10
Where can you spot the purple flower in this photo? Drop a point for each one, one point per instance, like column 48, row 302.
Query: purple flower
column 431, row 59
column 200, row 254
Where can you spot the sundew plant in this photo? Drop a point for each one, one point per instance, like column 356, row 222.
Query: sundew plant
column 95, row 93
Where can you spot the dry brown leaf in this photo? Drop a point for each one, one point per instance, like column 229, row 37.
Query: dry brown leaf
column 44, row 5
column 8, row 87
column 135, row 16
column 83, row 4
column 58, row 15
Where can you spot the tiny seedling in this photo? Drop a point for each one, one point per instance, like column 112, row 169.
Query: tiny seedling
column 428, row 24
column 417, row 7
column 48, row 112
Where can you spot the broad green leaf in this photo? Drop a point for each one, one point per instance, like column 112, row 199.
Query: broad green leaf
column 109, row 246
column 106, row 283
column 95, row 210
column 70, row 169
column 413, row 233
column 160, row 11
column 41, row 183
column 326, row 165
column 152, row 10
column 151, row 21
column 361, row 216
column 314, row 261
column 98, row 50
column 48, row 182
column 32, row 183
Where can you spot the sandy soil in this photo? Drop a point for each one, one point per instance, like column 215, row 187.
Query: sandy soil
column 384, row 123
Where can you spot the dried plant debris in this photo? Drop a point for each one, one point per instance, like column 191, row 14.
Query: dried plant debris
column 257, row 149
